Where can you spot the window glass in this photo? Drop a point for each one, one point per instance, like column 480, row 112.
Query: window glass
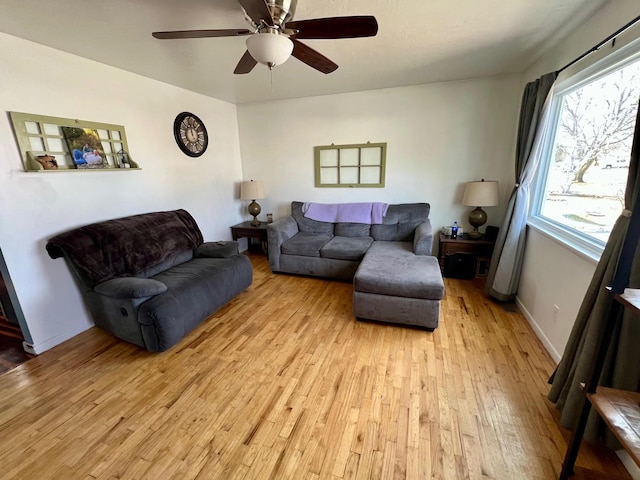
column 55, row 145
column 32, row 127
column 349, row 157
column 50, row 129
column 329, row 158
column 371, row 156
column 370, row 174
column 587, row 162
column 348, row 175
column 36, row 144
column 329, row 176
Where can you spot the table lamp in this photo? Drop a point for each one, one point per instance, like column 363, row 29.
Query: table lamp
column 479, row 194
column 253, row 190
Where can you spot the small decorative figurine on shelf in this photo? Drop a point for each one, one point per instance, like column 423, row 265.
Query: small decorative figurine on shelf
column 123, row 159
column 48, row 162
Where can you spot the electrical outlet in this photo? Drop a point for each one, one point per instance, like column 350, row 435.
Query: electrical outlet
column 556, row 313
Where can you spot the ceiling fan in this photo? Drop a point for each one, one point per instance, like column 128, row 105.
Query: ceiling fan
column 274, row 36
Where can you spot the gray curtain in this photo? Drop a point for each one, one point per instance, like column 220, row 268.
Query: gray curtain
column 506, row 262
column 622, row 364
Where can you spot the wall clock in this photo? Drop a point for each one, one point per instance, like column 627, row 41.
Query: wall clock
column 191, row 134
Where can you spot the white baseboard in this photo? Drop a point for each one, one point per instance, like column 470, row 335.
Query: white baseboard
column 539, row 333
column 38, row 348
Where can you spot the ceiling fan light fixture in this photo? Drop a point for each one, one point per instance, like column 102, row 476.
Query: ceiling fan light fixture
column 269, row 48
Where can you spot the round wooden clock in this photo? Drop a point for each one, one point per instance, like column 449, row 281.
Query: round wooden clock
column 191, row 134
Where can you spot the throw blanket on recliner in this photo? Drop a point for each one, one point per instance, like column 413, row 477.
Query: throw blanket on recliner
column 109, row 249
column 371, row 213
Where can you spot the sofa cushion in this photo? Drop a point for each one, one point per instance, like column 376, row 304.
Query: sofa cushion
column 221, row 249
column 306, row 224
column 391, row 268
column 176, row 259
column 195, row 290
column 130, row 287
column 346, row 248
column 352, row 229
column 400, row 222
column 305, row 244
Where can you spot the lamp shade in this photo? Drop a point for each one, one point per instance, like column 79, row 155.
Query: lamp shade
column 480, row 194
column 253, row 190
column 269, row 48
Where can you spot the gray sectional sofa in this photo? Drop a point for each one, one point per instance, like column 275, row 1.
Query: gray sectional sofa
column 303, row 246
column 150, row 279
column 396, row 278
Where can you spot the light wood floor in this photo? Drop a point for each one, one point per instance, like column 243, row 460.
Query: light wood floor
column 283, row 383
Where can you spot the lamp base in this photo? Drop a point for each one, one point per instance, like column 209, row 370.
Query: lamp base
column 477, row 218
column 254, row 210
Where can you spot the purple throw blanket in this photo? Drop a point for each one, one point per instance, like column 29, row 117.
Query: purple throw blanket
column 371, row 213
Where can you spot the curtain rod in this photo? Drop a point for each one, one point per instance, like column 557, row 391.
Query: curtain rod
column 595, row 48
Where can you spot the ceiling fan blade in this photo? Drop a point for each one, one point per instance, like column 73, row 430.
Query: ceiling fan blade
column 246, row 64
column 257, row 10
column 312, row 58
column 200, row 34
column 335, row 27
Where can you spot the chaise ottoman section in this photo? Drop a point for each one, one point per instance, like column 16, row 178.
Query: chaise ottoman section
column 392, row 284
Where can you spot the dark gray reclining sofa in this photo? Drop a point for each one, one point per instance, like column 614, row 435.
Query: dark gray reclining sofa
column 150, row 279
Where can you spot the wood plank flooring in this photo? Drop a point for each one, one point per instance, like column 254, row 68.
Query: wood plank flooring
column 283, row 383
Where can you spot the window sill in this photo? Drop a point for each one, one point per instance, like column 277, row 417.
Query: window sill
column 584, row 248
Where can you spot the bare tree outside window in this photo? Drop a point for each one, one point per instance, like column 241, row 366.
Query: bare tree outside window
column 590, row 158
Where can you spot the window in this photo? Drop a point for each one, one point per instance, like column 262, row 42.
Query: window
column 585, row 162
column 360, row 165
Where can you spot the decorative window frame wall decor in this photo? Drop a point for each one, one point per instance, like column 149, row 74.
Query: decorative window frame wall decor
column 41, row 136
column 355, row 165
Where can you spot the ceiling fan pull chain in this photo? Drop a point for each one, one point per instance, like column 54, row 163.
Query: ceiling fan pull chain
column 271, row 79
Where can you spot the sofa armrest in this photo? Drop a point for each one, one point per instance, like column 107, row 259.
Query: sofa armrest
column 130, row 287
column 221, row 249
column 423, row 239
column 279, row 232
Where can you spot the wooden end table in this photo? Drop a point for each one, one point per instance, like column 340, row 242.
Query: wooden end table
column 481, row 248
column 245, row 229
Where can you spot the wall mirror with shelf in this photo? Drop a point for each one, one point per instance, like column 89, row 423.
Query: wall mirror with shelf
column 64, row 144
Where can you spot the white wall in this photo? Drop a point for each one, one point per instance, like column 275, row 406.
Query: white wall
column 36, row 206
column 553, row 274
column 439, row 136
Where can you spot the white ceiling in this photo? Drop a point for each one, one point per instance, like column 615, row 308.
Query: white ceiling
column 418, row 41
